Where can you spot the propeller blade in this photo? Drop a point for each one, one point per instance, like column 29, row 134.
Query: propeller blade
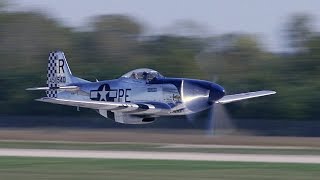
column 192, row 117
column 210, row 124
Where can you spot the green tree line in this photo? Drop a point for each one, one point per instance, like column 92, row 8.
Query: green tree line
column 111, row 45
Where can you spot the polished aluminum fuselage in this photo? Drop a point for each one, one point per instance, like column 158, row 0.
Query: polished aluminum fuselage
column 167, row 91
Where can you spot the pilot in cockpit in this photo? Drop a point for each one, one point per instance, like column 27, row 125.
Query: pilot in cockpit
column 145, row 76
column 134, row 75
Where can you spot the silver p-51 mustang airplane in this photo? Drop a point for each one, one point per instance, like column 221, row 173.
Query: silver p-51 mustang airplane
column 137, row 97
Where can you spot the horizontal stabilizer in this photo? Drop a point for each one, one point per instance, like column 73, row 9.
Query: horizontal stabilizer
column 238, row 97
column 66, row 88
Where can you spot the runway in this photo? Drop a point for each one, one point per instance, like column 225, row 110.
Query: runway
column 314, row 159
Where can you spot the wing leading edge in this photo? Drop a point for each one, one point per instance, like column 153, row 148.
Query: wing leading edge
column 238, row 97
column 134, row 108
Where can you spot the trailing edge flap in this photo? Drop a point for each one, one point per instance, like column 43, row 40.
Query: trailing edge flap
column 66, row 88
column 238, row 97
column 103, row 105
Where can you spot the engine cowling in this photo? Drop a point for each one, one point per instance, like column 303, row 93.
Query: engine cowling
column 200, row 95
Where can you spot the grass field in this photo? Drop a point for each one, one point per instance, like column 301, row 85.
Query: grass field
column 150, row 136
column 30, row 168
column 153, row 147
column 12, row 168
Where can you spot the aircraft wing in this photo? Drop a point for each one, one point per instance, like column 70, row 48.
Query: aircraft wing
column 137, row 108
column 238, row 97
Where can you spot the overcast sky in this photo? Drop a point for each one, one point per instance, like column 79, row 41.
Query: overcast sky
column 265, row 18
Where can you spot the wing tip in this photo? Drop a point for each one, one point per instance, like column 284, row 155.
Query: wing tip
column 39, row 99
column 43, row 99
column 37, row 88
column 270, row 92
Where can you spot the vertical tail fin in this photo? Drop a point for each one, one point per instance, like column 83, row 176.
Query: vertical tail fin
column 58, row 74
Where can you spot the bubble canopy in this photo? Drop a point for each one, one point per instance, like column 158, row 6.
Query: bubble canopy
column 143, row 74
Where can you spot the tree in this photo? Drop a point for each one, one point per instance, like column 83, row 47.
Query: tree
column 229, row 55
column 116, row 42
column 173, row 55
column 3, row 5
column 28, row 37
column 298, row 31
column 116, row 35
column 187, row 28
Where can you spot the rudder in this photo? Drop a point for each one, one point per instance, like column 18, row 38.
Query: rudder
column 58, row 73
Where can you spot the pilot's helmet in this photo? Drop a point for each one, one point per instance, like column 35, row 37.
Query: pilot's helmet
column 134, row 75
column 145, row 75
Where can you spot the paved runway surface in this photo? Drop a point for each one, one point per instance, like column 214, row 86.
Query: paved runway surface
column 160, row 155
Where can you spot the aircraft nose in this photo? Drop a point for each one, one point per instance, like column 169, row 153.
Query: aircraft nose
column 216, row 92
column 199, row 95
